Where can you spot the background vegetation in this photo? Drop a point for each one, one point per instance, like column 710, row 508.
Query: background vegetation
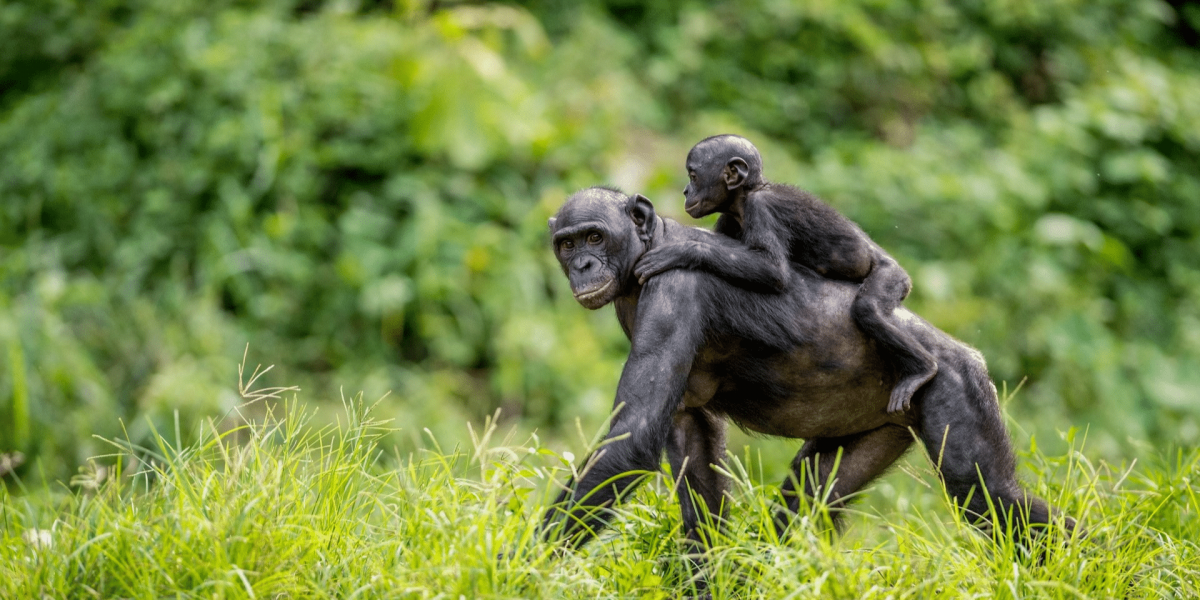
column 359, row 190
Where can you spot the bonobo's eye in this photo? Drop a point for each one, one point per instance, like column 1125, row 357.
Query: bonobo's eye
column 566, row 245
column 595, row 238
column 692, row 175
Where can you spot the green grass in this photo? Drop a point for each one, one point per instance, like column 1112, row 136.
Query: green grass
column 284, row 508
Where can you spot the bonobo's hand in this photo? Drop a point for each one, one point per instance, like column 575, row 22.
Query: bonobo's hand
column 657, row 260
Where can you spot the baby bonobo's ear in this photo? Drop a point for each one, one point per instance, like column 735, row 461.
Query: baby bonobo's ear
column 736, row 172
column 641, row 211
column 550, row 223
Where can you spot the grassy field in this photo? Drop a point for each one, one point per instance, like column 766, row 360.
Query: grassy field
column 285, row 508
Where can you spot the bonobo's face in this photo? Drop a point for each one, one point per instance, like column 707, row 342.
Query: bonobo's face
column 705, row 192
column 597, row 243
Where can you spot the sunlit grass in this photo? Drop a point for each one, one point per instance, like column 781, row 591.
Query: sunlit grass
column 283, row 508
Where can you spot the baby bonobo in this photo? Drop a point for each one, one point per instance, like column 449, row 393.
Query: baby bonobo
column 780, row 224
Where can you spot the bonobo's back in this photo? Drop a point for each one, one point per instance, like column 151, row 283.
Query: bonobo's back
column 816, row 234
column 780, row 321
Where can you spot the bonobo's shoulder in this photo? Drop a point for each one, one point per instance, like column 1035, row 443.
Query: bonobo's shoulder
column 679, row 285
column 675, row 232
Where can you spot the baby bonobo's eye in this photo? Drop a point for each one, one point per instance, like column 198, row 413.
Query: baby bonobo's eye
column 567, row 245
column 692, row 175
column 595, row 238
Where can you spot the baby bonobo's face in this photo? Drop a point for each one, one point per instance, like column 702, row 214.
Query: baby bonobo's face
column 719, row 169
column 705, row 192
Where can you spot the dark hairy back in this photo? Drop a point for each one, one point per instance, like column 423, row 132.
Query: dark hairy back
column 776, row 321
column 815, row 234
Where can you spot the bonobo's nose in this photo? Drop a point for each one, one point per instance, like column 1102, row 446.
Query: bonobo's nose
column 586, row 263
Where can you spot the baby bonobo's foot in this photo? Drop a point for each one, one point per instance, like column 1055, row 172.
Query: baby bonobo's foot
column 901, row 399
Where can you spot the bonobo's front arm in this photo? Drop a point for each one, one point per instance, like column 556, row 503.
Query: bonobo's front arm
column 756, row 259
column 664, row 344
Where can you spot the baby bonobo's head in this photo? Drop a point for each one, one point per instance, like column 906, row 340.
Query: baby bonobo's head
column 719, row 168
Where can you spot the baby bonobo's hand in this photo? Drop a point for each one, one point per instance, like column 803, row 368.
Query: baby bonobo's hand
column 657, row 260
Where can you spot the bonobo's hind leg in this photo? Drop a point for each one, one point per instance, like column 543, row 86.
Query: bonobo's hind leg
column 874, row 307
column 963, row 432
column 864, row 457
column 698, row 441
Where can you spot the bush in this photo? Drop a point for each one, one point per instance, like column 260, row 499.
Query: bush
column 359, row 191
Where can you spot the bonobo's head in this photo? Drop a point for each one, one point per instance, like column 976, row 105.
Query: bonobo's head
column 599, row 233
column 719, row 168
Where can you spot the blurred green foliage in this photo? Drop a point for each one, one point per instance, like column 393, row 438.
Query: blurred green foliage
column 359, row 191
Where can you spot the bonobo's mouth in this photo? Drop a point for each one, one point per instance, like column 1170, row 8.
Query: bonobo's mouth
column 692, row 208
column 590, row 297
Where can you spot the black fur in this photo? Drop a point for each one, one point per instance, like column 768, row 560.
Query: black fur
column 791, row 364
column 779, row 224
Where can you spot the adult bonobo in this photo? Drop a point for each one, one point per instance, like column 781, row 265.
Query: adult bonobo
column 792, row 364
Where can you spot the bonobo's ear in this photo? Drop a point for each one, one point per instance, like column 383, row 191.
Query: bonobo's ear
column 736, row 172
column 550, row 223
column 641, row 211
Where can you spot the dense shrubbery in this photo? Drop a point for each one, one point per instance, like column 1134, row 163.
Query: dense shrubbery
column 360, row 192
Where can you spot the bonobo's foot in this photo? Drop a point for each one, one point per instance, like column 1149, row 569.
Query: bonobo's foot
column 901, row 399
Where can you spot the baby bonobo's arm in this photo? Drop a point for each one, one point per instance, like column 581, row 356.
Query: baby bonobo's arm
column 757, row 262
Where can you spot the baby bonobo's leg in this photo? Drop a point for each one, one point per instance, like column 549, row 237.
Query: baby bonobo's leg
column 886, row 286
